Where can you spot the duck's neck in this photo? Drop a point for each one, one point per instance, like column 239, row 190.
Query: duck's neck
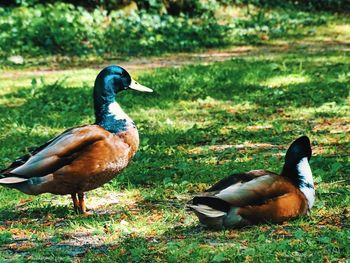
column 301, row 175
column 108, row 113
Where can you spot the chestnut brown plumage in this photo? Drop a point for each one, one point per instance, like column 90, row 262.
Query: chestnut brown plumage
column 83, row 158
column 260, row 196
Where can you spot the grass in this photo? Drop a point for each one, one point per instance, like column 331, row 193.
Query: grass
column 202, row 123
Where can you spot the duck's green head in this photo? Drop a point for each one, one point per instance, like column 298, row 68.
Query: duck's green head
column 108, row 83
column 114, row 79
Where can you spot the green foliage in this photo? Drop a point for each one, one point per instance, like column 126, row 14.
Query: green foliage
column 64, row 29
column 336, row 5
column 266, row 24
column 311, row 5
column 190, row 7
column 50, row 29
column 146, row 33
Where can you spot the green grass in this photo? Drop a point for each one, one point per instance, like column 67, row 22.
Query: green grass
column 202, row 123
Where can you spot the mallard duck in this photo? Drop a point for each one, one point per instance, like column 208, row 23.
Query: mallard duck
column 260, row 196
column 86, row 157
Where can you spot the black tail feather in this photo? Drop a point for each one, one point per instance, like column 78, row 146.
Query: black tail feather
column 213, row 202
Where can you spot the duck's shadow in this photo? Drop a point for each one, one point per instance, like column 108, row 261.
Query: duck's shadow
column 38, row 213
column 53, row 213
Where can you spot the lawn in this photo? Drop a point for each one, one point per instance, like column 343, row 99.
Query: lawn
column 203, row 122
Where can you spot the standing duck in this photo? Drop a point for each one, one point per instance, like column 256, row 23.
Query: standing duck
column 260, row 196
column 82, row 158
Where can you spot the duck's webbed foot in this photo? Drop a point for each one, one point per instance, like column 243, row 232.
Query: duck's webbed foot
column 75, row 202
column 82, row 206
column 79, row 203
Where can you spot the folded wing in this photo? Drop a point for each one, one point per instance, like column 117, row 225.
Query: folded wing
column 249, row 197
column 53, row 155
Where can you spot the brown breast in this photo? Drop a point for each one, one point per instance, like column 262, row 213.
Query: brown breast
column 98, row 163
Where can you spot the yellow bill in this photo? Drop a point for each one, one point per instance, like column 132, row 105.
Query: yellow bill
column 136, row 86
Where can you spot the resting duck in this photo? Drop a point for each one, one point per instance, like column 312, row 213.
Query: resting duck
column 260, row 196
column 83, row 158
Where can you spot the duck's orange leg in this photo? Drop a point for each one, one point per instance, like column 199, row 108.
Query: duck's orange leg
column 75, row 202
column 82, row 206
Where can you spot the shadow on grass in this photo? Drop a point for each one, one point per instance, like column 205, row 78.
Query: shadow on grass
column 49, row 106
column 126, row 248
column 36, row 213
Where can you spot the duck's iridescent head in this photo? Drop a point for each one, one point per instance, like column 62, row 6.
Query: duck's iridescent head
column 108, row 83
column 115, row 79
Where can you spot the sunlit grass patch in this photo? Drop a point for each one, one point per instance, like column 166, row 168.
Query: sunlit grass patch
column 336, row 31
column 203, row 122
column 286, row 80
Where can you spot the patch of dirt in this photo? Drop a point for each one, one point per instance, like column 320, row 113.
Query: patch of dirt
column 205, row 57
column 333, row 125
column 86, row 238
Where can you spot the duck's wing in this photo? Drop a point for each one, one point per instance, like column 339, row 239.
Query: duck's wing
column 240, row 190
column 51, row 156
column 259, row 190
column 255, row 191
column 23, row 159
column 237, row 178
column 231, row 186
